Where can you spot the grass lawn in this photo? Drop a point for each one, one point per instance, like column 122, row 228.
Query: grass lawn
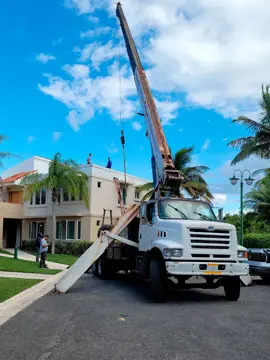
column 62, row 258
column 12, row 286
column 10, row 264
column 5, row 252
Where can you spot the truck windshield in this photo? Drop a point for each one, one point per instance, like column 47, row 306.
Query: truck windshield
column 181, row 209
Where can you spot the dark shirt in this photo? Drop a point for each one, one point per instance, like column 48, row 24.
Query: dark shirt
column 109, row 165
column 38, row 242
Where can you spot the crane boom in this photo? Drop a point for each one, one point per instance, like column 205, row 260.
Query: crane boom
column 163, row 167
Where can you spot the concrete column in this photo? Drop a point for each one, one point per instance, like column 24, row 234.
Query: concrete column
column 1, row 232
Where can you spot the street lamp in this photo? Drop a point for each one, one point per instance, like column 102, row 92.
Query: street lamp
column 249, row 181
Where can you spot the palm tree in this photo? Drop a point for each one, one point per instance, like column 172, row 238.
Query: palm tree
column 259, row 144
column 195, row 186
column 64, row 175
column 4, row 155
column 258, row 199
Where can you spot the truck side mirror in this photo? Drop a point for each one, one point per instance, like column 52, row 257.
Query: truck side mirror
column 220, row 214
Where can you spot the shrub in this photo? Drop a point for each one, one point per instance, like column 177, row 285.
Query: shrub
column 61, row 247
column 257, row 240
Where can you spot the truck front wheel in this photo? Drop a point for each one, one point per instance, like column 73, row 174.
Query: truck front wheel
column 232, row 287
column 158, row 280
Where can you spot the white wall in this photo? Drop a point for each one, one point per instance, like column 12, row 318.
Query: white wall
column 26, row 165
column 33, row 163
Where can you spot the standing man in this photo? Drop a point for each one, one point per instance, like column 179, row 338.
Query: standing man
column 38, row 239
column 89, row 159
column 43, row 251
column 109, row 164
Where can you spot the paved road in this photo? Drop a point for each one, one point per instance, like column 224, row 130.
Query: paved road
column 88, row 324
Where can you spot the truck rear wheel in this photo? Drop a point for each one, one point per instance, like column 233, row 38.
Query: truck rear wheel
column 158, row 280
column 101, row 268
column 232, row 286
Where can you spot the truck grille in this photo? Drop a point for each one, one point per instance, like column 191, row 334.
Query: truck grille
column 209, row 240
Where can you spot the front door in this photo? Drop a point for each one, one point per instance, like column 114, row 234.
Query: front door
column 147, row 233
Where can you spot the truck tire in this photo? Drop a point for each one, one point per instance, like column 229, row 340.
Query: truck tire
column 232, row 286
column 265, row 279
column 158, row 280
column 102, row 270
column 94, row 269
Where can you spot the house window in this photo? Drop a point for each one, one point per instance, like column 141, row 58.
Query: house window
column 137, row 195
column 68, row 197
column 37, row 201
column 39, row 198
column 70, row 230
column 65, row 230
column 99, row 184
column 79, row 230
column 98, row 222
column 36, row 227
column 43, row 196
column 61, row 230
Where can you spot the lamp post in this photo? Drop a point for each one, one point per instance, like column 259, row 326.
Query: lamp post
column 249, row 181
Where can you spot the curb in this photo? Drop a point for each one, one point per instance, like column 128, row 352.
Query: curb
column 19, row 302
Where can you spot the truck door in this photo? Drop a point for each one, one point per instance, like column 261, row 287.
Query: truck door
column 147, row 226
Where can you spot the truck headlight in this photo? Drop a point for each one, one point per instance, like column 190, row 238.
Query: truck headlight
column 242, row 254
column 173, row 252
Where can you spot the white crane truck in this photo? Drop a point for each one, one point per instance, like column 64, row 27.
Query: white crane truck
column 174, row 238
column 167, row 240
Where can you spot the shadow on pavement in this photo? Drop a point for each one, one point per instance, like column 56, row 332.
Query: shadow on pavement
column 133, row 287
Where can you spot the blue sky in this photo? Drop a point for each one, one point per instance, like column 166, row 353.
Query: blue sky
column 60, row 80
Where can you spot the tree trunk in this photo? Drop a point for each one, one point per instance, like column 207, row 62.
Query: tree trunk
column 53, row 227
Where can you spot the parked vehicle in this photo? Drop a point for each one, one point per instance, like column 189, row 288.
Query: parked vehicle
column 259, row 263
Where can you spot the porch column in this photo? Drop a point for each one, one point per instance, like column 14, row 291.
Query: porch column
column 1, row 232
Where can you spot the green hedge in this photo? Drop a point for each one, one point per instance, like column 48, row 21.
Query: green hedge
column 61, row 247
column 257, row 240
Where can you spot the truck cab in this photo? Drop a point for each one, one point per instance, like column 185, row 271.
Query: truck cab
column 184, row 239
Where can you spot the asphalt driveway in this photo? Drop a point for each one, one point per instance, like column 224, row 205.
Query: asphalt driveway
column 114, row 320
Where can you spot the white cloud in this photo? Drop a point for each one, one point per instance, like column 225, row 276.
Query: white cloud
column 44, row 58
column 206, row 144
column 85, row 6
column 167, row 110
column 219, row 199
column 181, row 130
column 98, row 54
column 31, row 138
column 136, row 126
column 84, row 95
column 96, row 32
column 56, row 135
column 57, row 41
column 93, row 19
column 205, row 49
column 225, row 139
column 77, row 70
column 112, row 149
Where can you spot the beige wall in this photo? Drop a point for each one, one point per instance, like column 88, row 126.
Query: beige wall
column 11, row 211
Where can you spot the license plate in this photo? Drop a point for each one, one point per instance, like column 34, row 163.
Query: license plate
column 212, row 269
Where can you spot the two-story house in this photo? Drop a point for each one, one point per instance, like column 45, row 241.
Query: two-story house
column 75, row 221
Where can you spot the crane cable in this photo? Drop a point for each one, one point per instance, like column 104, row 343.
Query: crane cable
column 122, row 138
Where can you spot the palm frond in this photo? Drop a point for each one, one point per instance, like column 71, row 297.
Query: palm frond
column 252, row 125
column 145, row 187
